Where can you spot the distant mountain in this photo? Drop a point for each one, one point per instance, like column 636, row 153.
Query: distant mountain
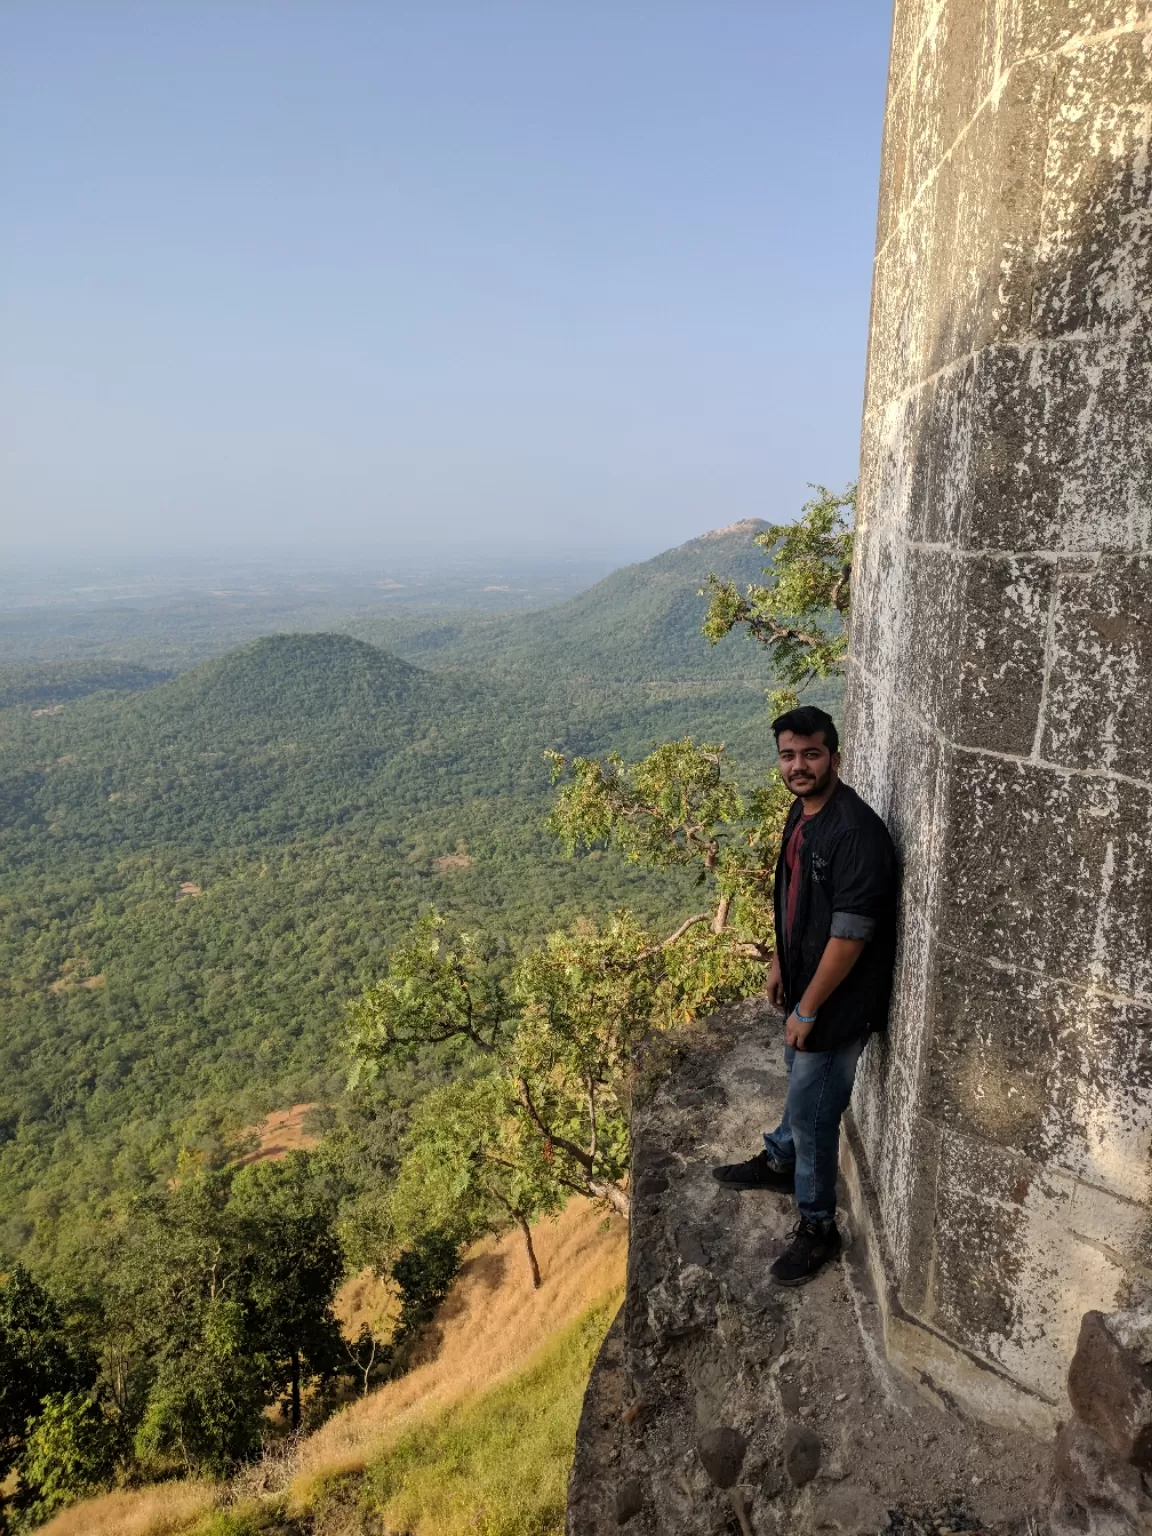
column 641, row 623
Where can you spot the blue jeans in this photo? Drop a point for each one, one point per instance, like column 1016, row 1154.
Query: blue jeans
column 808, row 1136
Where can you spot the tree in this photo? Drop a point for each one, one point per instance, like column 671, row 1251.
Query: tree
column 203, row 1411
column 37, row 1359
column 70, row 1452
column 469, row 1169
column 679, row 806
column 287, row 1221
column 219, row 1293
column 800, row 613
column 440, row 986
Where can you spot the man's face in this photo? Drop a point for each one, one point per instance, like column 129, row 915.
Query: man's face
column 806, row 765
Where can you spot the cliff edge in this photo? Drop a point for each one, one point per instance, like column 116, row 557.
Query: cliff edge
column 721, row 1403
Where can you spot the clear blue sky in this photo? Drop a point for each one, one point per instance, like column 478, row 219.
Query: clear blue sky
column 558, row 274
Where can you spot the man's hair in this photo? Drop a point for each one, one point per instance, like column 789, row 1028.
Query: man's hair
column 807, row 721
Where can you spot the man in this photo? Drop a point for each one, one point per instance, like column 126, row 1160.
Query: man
column 835, row 902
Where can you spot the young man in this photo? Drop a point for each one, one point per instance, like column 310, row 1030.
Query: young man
column 835, row 899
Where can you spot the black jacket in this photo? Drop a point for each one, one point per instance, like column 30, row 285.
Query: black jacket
column 847, row 891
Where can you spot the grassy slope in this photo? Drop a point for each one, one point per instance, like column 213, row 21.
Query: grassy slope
column 504, row 1366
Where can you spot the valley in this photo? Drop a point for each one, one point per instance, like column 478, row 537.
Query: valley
column 198, row 873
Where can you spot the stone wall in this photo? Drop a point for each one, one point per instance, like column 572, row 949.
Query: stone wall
column 998, row 710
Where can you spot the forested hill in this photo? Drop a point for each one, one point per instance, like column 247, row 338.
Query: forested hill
column 641, row 622
column 195, row 878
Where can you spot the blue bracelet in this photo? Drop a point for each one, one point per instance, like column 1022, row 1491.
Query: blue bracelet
column 801, row 1017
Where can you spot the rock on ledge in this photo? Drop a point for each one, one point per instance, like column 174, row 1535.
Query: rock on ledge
column 720, row 1403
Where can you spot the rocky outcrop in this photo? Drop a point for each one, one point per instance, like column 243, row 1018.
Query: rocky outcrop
column 720, row 1403
column 1104, row 1454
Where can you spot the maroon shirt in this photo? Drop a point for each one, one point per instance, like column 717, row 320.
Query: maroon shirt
column 792, row 864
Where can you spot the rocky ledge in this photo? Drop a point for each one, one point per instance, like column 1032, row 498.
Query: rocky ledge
column 720, row 1403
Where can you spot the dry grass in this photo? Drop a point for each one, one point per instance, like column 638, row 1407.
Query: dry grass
column 279, row 1133
column 447, row 862
column 491, row 1325
column 155, row 1511
column 497, row 1464
column 488, row 1328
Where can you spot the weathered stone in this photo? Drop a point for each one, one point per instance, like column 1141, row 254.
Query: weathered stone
column 801, row 1454
column 682, row 1303
column 1092, row 1472
column 651, row 1184
column 689, row 1247
column 1111, row 1389
column 847, row 1508
column 629, row 1500
column 648, row 1158
column 996, row 711
column 1132, row 1327
column 721, row 1453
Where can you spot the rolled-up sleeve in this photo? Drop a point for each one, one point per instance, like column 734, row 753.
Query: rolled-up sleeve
column 861, row 885
column 852, row 925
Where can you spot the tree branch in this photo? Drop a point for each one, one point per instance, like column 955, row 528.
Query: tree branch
column 689, row 922
column 573, row 1151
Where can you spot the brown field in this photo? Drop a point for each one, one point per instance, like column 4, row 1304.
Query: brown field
column 66, row 983
column 188, row 888
column 279, row 1133
column 450, row 861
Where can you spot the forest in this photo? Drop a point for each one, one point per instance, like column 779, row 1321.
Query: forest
column 444, row 883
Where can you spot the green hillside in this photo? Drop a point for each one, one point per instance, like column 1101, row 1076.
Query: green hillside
column 196, row 877
column 641, row 622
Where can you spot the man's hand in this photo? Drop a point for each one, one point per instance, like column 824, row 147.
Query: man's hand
column 795, row 1033
column 775, row 987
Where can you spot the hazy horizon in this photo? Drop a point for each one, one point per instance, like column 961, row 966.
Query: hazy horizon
column 295, row 281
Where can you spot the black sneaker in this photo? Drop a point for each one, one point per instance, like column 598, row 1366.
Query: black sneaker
column 812, row 1247
column 756, row 1173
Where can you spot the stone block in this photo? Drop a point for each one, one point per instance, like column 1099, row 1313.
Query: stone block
column 910, row 22
column 1000, row 653
column 1094, row 268
column 1056, row 458
column 1111, row 1390
column 1046, row 872
column 1029, row 27
column 950, row 81
column 985, row 223
column 902, row 325
column 1054, row 1073
column 893, row 159
column 940, row 452
column 1011, row 1279
column 1097, row 713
